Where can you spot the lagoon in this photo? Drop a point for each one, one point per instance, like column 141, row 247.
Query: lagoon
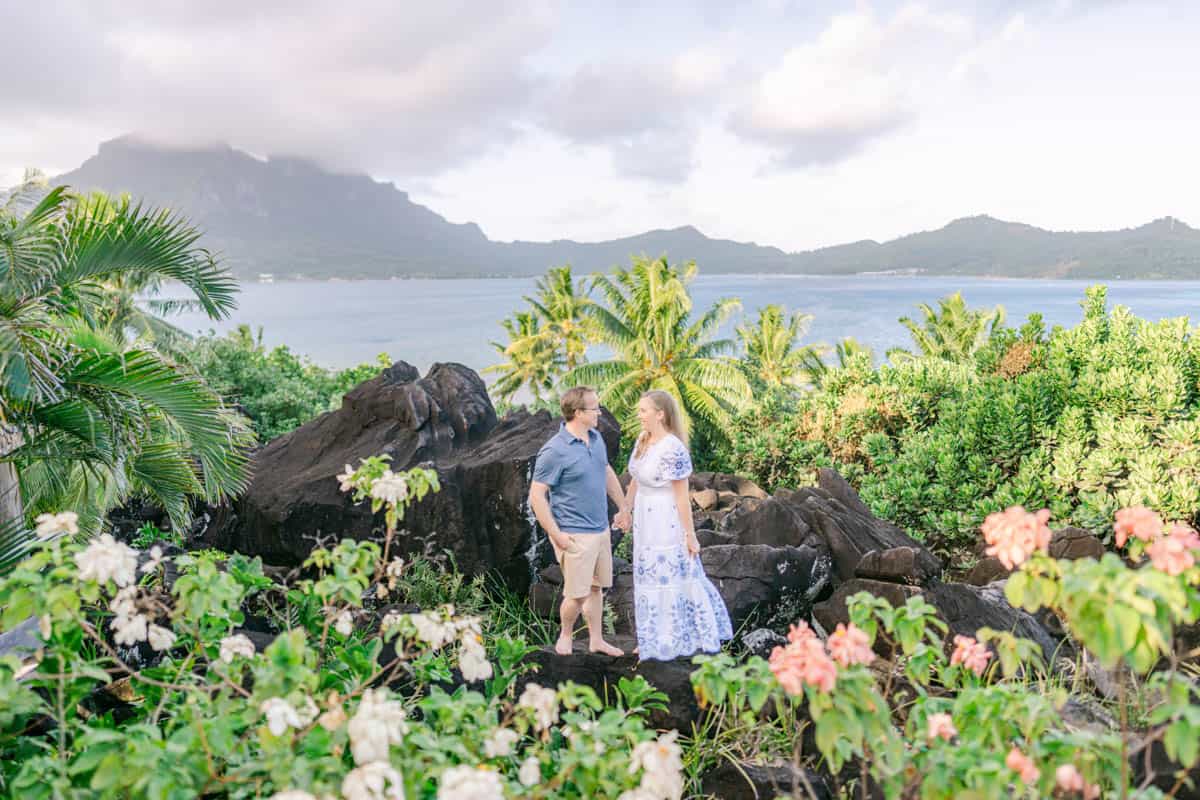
column 342, row 323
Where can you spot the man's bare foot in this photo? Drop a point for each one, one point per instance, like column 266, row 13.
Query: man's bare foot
column 635, row 651
column 605, row 648
column 563, row 646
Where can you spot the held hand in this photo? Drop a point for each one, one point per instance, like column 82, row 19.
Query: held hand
column 692, row 543
column 623, row 521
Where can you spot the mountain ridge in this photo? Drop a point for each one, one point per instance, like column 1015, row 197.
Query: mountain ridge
column 290, row 216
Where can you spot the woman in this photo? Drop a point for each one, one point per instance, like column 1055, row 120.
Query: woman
column 677, row 610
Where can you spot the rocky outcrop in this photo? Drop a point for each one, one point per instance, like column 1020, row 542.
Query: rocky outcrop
column 750, row 578
column 444, row 420
column 1068, row 543
column 730, row 781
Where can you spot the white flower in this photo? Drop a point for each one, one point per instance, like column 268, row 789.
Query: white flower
column 470, row 783
column 390, row 620
column 346, row 479
column 390, row 488
column 472, row 660
column 129, row 629
column 156, row 557
column 395, row 567
column 530, row 773
column 375, row 781
column 662, row 762
column 160, row 638
column 293, row 794
column 344, row 623
column 50, row 525
column 280, row 715
column 377, row 724
column 544, row 703
column 432, row 630
column 500, row 743
column 107, row 559
column 124, row 602
column 309, row 712
column 638, row 794
column 237, row 645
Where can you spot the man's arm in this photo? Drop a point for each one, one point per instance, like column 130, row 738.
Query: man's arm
column 613, row 483
column 539, row 501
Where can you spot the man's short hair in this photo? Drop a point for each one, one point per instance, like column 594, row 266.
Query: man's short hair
column 574, row 400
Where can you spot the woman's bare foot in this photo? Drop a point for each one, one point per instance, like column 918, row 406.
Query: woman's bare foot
column 635, row 651
column 563, row 646
column 605, row 648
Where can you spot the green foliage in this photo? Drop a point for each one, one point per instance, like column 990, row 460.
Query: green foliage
column 952, row 331
column 98, row 419
column 773, row 359
column 278, row 390
column 645, row 317
column 313, row 711
column 1082, row 420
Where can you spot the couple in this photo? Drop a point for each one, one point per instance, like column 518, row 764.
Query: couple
column 677, row 610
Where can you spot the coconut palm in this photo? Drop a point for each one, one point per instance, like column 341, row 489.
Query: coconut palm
column 560, row 304
column 90, row 419
column 531, row 359
column 952, row 332
column 646, row 320
column 844, row 352
column 773, row 356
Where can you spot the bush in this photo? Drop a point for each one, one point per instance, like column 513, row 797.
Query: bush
column 1084, row 420
column 144, row 690
column 278, row 390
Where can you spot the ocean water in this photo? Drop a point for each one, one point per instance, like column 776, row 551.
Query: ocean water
column 342, row 323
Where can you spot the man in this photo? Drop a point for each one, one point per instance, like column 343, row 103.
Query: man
column 568, row 497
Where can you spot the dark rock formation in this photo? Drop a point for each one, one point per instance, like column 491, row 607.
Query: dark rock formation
column 749, row 577
column 444, row 420
column 1068, row 543
column 730, row 781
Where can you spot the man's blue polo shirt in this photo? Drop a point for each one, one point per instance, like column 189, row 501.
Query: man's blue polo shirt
column 576, row 472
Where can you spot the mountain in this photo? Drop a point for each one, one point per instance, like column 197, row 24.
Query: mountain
column 290, row 217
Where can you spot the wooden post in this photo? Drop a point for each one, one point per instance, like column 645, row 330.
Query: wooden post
column 10, row 487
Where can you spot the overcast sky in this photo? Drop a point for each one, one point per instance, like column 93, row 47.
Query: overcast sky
column 797, row 123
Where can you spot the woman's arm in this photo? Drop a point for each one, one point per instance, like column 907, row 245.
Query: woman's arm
column 683, row 504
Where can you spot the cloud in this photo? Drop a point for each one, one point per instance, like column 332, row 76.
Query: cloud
column 647, row 115
column 408, row 89
column 861, row 78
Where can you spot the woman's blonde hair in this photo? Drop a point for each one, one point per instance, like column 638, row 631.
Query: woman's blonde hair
column 672, row 419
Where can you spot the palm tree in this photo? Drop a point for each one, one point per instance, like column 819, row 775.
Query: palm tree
column 91, row 420
column 845, row 351
column 560, row 305
column 773, row 357
column 952, row 332
column 647, row 323
column 531, row 360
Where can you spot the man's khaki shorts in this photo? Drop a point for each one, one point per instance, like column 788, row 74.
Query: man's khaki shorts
column 586, row 563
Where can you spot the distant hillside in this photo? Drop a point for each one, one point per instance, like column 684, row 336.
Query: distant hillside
column 289, row 217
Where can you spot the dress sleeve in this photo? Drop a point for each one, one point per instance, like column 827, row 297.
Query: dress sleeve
column 676, row 462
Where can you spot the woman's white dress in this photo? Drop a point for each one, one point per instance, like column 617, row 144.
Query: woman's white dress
column 677, row 610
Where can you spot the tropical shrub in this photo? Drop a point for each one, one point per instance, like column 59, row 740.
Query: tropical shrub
column 88, row 417
column 276, row 389
column 982, row 718
column 1083, row 420
column 145, row 689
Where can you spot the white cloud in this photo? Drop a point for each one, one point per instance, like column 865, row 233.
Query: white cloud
column 860, row 78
